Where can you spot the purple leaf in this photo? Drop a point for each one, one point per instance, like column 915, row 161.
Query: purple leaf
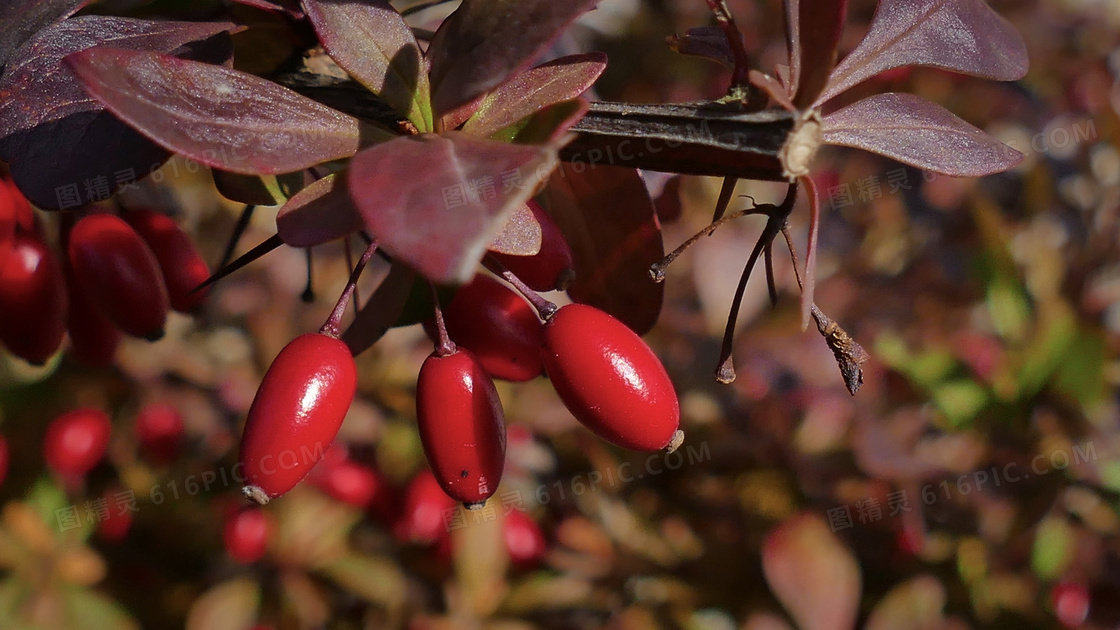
column 320, row 213
column 220, row 117
column 63, row 148
column 382, row 310
column 484, row 42
column 775, row 88
column 708, row 42
column 287, row 7
column 436, row 202
column 815, row 38
column 20, row 20
column 533, row 90
column 608, row 220
column 915, row 131
column 520, row 234
column 964, row 36
column 370, row 40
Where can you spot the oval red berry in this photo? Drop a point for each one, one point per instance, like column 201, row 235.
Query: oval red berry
column 498, row 326
column 296, row 413
column 33, row 302
column 246, row 535
column 76, row 441
column 461, row 425
column 180, row 263
column 422, row 518
column 609, row 379
column 159, row 429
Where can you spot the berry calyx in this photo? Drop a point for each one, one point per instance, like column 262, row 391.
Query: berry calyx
column 610, row 380
column 179, row 261
column 499, row 327
column 246, row 535
column 33, row 300
column 551, row 268
column 119, row 274
column 159, row 430
column 76, row 441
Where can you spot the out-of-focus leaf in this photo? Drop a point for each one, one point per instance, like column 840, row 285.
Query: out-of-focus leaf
column 484, row 42
column 520, row 234
column 812, row 573
column 960, row 35
column 63, row 148
column 374, row 579
column 90, row 610
column 263, row 190
column 548, row 592
column 382, row 311
column 547, row 125
column 481, row 561
column 708, row 42
column 370, row 40
column 533, row 90
column 817, row 30
column 915, row 131
column 1081, row 373
column 960, row 400
column 917, row 604
column 1053, row 550
column 1054, row 333
column 20, row 20
column 320, row 213
column 312, row 528
column 230, row 605
column 436, row 202
column 608, row 219
column 220, row 117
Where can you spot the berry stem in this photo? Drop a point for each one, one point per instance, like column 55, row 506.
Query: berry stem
column 545, row 308
column 350, row 263
column 333, row 326
column 445, row 347
column 657, row 269
column 235, row 238
column 308, row 294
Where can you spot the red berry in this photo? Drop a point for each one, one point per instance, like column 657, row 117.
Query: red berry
column 32, row 300
column 120, row 274
column 425, row 504
column 246, row 535
column 551, row 267
column 159, row 429
column 498, row 326
column 182, row 267
column 524, row 540
column 1071, row 603
column 93, row 338
column 461, row 426
column 5, row 458
column 114, row 525
column 610, row 379
column 350, row 482
column 76, row 441
column 296, row 413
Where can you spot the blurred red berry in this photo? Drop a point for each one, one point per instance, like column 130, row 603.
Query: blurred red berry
column 33, row 300
column 76, row 441
column 246, row 535
column 350, row 482
column 524, row 540
column 115, row 524
column 1071, row 603
column 182, row 267
column 5, row 458
column 425, row 504
column 159, row 429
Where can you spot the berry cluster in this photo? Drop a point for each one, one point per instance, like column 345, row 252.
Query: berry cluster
column 117, row 274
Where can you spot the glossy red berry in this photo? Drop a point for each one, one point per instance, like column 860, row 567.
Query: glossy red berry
column 246, row 535
column 93, row 338
column 76, row 441
column 498, row 326
column 461, row 425
column 425, row 504
column 120, row 274
column 159, row 430
column 610, row 379
column 296, row 413
column 32, row 300
column 182, row 267
column 524, row 540
column 551, row 267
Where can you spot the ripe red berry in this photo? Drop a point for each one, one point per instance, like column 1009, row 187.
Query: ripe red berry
column 296, row 413
column 182, row 267
column 1071, row 602
column 422, row 520
column 32, row 300
column 246, row 534
column 76, row 441
column 114, row 525
column 350, row 482
column 498, row 326
column 610, row 379
column 159, row 429
column 120, row 274
column 93, row 338
column 524, row 540
column 551, row 267
column 461, row 425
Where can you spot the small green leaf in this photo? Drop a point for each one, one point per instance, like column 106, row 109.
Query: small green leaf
column 1053, row 548
column 960, row 400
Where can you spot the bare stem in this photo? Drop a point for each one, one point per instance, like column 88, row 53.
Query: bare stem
column 308, row 294
column 657, row 269
column 333, row 326
column 545, row 308
column 239, row 229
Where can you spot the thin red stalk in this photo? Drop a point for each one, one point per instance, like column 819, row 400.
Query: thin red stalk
column 445, row 347
column 545, row 309
column 333, row 325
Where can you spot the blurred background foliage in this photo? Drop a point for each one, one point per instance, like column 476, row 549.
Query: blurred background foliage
column 974, row 481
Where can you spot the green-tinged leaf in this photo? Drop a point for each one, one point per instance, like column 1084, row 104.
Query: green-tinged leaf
column 960, row 400
column 12, row 593
column 535, row 89
column 548, row 125
column 925, row 369
column 219, row 117
column 1008, row 307
column 1054, row 333
column 372, row 578
column 436, row 202
column 547, row 592
column 812, row 573
column 90, row 610
column 47, row 499
column 263, row 190
column 230, row 605
column 383, row 310
column 370, row 40
column 320, row 213
column 484, row 42
column 608, row 220
column 1053, row 549
column 917, row 604
column 1082, row 373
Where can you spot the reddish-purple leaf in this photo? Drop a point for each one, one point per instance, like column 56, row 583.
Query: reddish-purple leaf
column 220, row 117
column 812, row 573
column 533, row 90
column 381, row 311
column 320, row 213
column 775, row 88
column 287, row 7
column 550, row 124
column 63, row 148
column 257, row 190
column 370, row 40
column 20, row 20
column 708, row 42
column 817, row 35
column 484, row 42
column 915, row 131
column 520, row 234
column 608, row 220
column 964, row 36
column 436, row 202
